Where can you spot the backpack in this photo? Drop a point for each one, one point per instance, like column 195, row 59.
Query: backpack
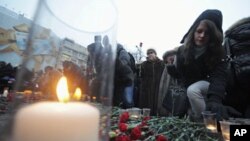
column 175, row 100
column 237, row 46
column 132, row 59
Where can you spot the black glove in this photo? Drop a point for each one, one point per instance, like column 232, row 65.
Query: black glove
column 172, row 70
column 223, row 112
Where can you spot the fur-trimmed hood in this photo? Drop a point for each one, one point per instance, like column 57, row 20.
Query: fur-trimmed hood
column 239, row 30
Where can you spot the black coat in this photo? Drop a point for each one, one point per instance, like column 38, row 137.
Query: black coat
column 123, row 77
column 198, row 70
column 151, row 72
column 237, row 45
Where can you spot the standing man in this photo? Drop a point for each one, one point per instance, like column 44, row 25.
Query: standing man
column 151, row 71
column 124, row 79
column 94, row 65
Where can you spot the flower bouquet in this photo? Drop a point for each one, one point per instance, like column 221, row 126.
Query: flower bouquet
column 153, row 128
column 129, row 130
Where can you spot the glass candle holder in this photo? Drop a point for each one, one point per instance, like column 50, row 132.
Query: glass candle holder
column 225, row 129
column 121, row 111
column 65, row 80
column 145, row 112
column 134, row 113
column 210, row 121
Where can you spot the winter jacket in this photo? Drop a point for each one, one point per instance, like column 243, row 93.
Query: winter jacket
column 237, row 44
column 123, row 77
column 151, row 72
column 123, row 73
column 197, row 70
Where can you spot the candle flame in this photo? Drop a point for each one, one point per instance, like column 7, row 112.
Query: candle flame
column 78, row 94
column 27, row 92
column 62, row 90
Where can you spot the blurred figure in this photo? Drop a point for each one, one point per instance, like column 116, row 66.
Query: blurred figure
column 75, row 77
column 49, row 82
column 151, row 71
column 168, row 58
column 106, row 44
column 95, row 52
column 94, row 65
column 124, row 80
column 237, row 45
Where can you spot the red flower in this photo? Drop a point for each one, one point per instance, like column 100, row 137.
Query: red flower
column 144, row 122
column 123, row 127
column 146, row 118
column 161, row 138
column 135, row 133
column 122, row 138
column 124, row 117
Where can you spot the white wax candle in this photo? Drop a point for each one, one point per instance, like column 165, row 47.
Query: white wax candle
column 54, row 121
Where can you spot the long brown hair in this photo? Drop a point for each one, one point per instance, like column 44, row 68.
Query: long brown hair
column 214, row 51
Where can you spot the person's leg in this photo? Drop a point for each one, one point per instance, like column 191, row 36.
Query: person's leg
column 128, row 97
column 196, row 93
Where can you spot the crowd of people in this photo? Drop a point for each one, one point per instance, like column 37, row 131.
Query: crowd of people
column 200, row 65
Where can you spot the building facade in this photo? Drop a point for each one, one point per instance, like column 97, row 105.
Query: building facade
column 48, row 48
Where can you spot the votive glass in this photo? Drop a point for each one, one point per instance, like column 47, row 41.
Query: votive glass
column 225, row 129
column 145, row 112
column 210, row 121
column 134, row 113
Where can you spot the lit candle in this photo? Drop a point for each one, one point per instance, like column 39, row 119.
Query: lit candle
column 226, row 135
column 55, row 121
column 134, row 116
column 94, row 99
column 134, row 113
column 78, row 94
column 212, row 128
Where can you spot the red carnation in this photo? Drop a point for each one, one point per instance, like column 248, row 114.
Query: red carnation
column 143, row 123
column 146, row 118
column 135, row 133
column 161, row 138
column 122, row 138
column 124, row 117
column 123, row 127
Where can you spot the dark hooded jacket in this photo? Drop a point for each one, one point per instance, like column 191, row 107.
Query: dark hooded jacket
column 123, row 77
column 237, row 39
column 237, row 44
column 209, row 14
column 197, row 69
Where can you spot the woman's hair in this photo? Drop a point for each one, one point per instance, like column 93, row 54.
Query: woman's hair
column 214, row 51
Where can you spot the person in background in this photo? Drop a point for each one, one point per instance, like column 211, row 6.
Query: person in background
column 94, row 65
column 168, row 58
column 106, row 45
column 49, row 81
column 75, row 77
column 124, row 80
column 200, row 66
column 94, row 57
column 151, row 71
column 237, row 46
